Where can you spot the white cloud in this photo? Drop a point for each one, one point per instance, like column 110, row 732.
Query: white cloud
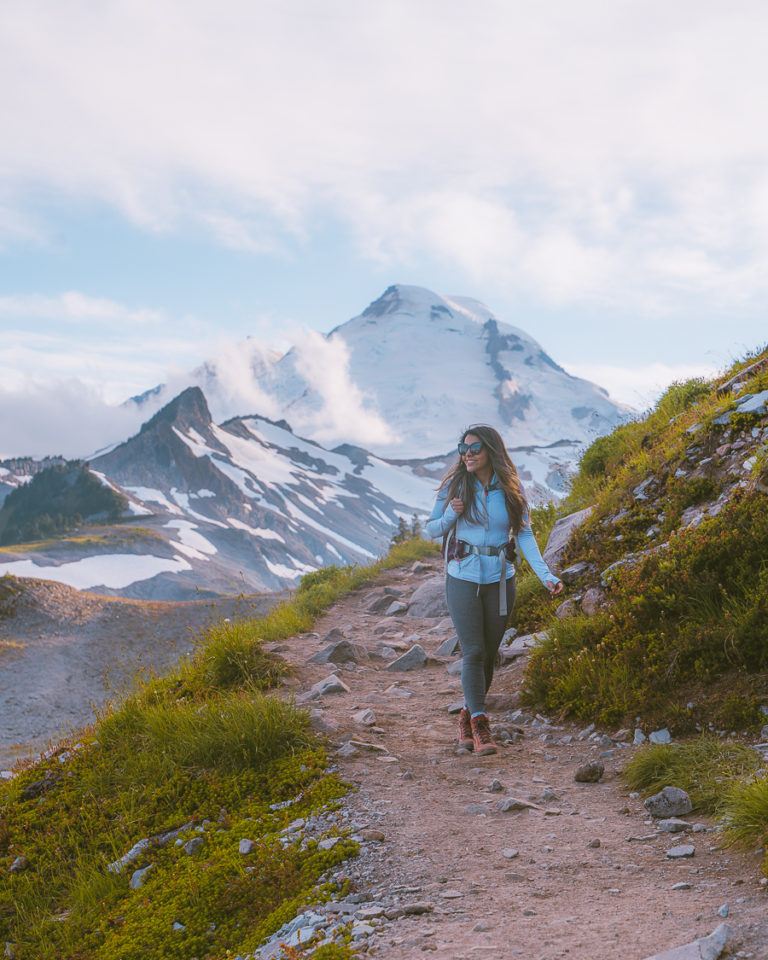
column 638, row 386
column 344, row 413
column 66, row 417
column 574, row 152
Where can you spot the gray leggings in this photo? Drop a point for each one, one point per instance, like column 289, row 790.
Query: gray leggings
column 479, row 627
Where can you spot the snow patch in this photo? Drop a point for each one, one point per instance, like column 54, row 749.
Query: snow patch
column 256, row 531
column 115, row 570
column 150, row 495
column 191, row 538
column 289, row 573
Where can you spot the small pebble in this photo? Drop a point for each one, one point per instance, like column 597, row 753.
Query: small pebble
column 594, row 844
column 193, row 845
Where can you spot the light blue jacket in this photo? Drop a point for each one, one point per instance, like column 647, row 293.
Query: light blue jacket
column 491, row 529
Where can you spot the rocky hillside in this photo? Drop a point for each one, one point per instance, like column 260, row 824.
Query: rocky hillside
column 663, row 550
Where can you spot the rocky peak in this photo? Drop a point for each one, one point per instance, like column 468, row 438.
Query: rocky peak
column 188, row 409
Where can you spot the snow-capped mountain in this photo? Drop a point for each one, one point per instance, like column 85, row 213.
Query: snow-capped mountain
column 429, row 365
column 242, row 506
column 410, row 372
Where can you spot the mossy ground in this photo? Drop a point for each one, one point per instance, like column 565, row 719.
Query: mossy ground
column 94, row 536
column 206, row 743
column 685, row 623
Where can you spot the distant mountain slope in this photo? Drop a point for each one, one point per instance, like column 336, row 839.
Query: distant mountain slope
column 241, row 506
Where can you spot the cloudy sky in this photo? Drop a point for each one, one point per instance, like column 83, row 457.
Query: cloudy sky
column 178, row 174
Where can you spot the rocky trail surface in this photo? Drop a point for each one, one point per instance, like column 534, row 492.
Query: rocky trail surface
column 64, row 651
column 575, row 870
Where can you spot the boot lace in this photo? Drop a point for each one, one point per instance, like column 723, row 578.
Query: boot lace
column 483, row 729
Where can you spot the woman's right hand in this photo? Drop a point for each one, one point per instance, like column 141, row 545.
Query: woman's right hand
column 457, row 504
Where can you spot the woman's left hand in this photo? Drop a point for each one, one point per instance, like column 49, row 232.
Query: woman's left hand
column 554, row 587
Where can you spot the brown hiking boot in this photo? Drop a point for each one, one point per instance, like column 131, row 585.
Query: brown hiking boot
column 481, row 734
column 465, row 739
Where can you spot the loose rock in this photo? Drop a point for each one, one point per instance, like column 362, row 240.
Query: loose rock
column 681, row 852
column 415, row 658
column 366, row 718
column 395, row 608
column 137, row 877
column 673, row 825
column 669, row 802
column 661, row 736
column 449, row 647
column 515, row 803
column 589, row 772
column 428, row 600
column 705, row 948
column 324, row 687
column 193, row 845
column 342, row 651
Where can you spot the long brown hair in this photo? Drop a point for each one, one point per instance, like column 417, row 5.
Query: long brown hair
column 457, row 478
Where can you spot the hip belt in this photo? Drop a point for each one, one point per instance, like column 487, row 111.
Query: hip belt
column 501, row 553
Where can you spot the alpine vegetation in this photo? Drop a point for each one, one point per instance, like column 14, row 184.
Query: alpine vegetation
column 167, row 829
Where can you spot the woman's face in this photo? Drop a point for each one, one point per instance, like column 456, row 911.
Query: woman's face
column 475, row 461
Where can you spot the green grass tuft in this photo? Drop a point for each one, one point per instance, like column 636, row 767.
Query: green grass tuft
column 745, row 814
column 706, row 768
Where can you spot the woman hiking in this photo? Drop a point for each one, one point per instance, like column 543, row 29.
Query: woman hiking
column 481, row 512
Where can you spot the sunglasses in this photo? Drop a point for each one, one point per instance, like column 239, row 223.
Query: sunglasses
column 475, row 447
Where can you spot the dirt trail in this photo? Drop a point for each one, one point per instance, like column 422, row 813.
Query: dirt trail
column 561, row 896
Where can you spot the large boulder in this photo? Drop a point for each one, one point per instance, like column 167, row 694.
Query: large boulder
column 561, row 534
column 428, row 600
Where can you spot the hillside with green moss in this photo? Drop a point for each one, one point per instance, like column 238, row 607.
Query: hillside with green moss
column 665, row 617
column 164, row 831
